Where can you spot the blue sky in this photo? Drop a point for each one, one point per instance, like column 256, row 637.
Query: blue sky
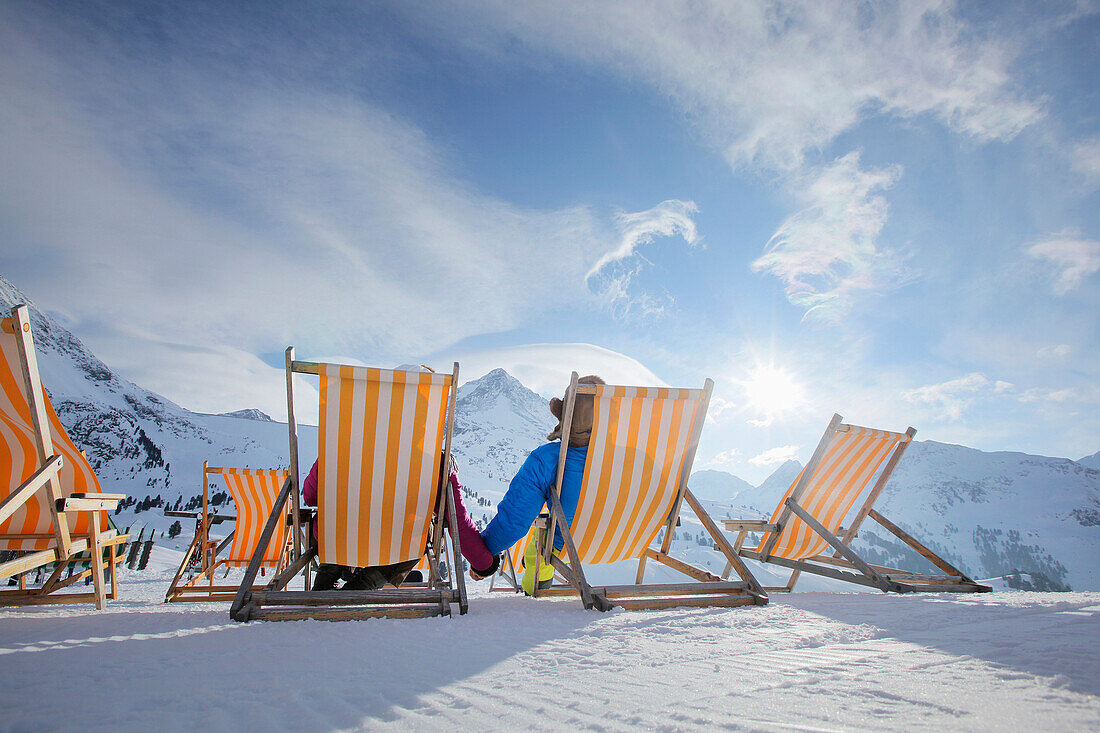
column 883, row 210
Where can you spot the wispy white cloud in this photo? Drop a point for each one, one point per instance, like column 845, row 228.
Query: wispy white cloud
column 1042, row 394
column 827, row 252
column 725, row 459
column 1060, row 351
column 949, row 399
column 775, row 455
column 1074, row 256
column 663, row 220
column 1085, row 158
column 613, row 272
column 772, row 84
column 767, row 82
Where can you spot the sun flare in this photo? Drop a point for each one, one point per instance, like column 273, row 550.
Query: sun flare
column 772, row 391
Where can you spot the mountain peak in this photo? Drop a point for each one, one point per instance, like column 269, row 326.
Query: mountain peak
column 500, row 399
column 249, row 414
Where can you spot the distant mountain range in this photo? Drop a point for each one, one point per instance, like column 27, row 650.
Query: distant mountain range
column 991, row 513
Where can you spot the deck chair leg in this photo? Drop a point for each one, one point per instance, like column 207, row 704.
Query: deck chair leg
column 916, row 545
column 182, row 568
column 846, row 552
column 793, row 579
column 97, row 565
column 589, row 599
column 51, row 581
column 113, row 572
column 641, row 569
column 724, row 546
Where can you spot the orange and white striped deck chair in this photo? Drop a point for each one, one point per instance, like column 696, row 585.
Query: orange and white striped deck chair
column 640, row 452
column 254, row 491
column 380, row 437
column 813, row 527
column 52, row 509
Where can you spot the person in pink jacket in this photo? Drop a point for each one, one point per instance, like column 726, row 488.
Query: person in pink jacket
column 482, row 563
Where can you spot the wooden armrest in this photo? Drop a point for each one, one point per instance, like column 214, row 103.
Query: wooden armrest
column 185, row 515
column 219, row 518
column 89, row 502
column 38, row 479
column 749, row 525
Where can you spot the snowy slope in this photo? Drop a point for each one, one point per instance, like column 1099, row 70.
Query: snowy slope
column 806, row 662
column 1092, row 461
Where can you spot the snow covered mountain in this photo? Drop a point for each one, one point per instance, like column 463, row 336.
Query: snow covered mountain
column 498, row 421
column 991, row 513
column 1092, row 461
column 139, row 443
column 719, row 486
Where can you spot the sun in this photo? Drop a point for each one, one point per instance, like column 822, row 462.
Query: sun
column 772, row 391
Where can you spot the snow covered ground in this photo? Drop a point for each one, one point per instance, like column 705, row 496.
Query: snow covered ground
column 807, row 661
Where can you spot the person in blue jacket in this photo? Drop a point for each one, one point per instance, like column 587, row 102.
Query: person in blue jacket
column 529, row 490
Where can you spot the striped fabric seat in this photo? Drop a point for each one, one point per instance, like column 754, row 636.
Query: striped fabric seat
column 641, row 445
column 19, row 459
column 640, row 439
column 254, row 491
column 380, row 437
column 852, row 460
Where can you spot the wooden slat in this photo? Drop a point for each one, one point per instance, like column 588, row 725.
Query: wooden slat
column 36, row 400
column 803, row 566
column 295, row 473
column 213, row 597
column 351, row 597
column 26, row 490
column 208, row 589
column 344, row 614
column 182, row 515
column 88, row 504
column 917, row 578
column 563, row 450
column 302, row 367
column 680, row 566
column 46, row 600
column 654, row 604
column 459, row 577
column 653, row 589
column 748, row 525
column 36, row 559
column 965, row 587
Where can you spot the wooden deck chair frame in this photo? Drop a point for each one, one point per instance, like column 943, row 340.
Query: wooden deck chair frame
column 844, row 563
column 438, row 597
column 45, row 485
column 201, row 587
column 704, row 589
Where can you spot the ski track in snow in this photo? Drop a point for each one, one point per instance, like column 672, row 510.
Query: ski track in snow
column 808, row 661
